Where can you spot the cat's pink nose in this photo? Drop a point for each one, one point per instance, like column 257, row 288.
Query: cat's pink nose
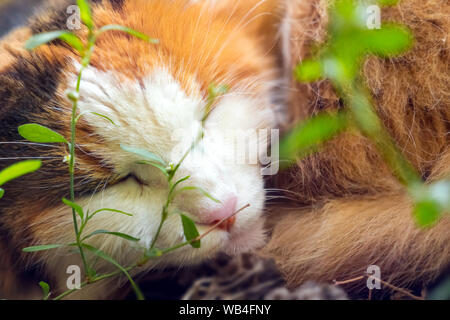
column 227, row 209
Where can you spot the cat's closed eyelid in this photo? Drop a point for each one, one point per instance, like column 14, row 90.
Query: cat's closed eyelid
column 135, row 178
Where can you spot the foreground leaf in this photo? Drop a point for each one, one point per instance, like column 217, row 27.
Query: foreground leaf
column 106, row 257
column 117, row 234
column 75, row 207
column 104, row 117
column 156, row 165
column 144, row 154
column 42, row 248
column 37, row 133
column 431, row 202
column 205, row 193
column 85, row 13
column 130, row 31
column 45, row 290
column 153, row 253
column 441, row 292
column 308, row 71
column 307, row 136
column 190, row 231
column 110, row 210
column 388, row 41
column 426, row 213
column 47, row 37
column 17, row 170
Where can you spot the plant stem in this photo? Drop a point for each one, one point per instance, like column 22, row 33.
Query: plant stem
column 85, row 62
column 146, row 259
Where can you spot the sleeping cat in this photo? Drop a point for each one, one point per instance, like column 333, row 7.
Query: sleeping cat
column 346, row 211
column 154, row 94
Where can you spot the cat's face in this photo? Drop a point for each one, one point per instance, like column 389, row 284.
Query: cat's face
column 156, row 97
column 156, row 114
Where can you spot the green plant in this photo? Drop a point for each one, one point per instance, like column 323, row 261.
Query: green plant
column 17, row 170
column 340, row 60
column 38, row 133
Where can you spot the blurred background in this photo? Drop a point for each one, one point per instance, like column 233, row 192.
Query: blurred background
column 14, row 13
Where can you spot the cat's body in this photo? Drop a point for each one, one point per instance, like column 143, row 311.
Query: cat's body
column 347, row 213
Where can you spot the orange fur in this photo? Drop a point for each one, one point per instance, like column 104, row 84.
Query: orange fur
column 348, row 210
column 204, row 50
column 197, row 44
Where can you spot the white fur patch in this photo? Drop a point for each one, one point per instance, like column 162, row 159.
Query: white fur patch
column 148, row 114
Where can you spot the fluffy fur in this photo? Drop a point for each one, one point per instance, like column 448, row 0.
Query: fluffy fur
column 155, row 94
column 347, row 210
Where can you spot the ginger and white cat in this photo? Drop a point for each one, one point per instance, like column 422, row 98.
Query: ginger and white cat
column 346, row 210
column 155, row 95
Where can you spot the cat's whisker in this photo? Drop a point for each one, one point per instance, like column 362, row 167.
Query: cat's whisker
column 104, row 188
column 269, row 198
column 31, row 144
column 29, row 158
column 283, row 191
column 219, row 34
column 241, row 26
column 197, row 24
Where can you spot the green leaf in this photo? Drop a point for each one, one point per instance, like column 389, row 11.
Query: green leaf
column 153, row 253
column 426, row 213
column 45, row 290
column 73, row 41
column 47, row 37
column 178, row 182
column 215, row 91
column 110, row 210
column 190, row 231
column 132, row 32
column 144, row 154
column 308, row 71
column 106, row 257
column 42, row 248
column 387, row 2
column 104, row 117
column 74, row 206
column 441, row 292
column 205, row 193
column 85, row 13
column 18, row 169
column 160, row 167
column 117, row 234
column 2, row 192
column 388, row 41
column 431, row 202
column 37, row 133
column 310, row 134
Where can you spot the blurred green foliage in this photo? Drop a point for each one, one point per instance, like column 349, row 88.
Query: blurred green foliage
column 340, row 60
